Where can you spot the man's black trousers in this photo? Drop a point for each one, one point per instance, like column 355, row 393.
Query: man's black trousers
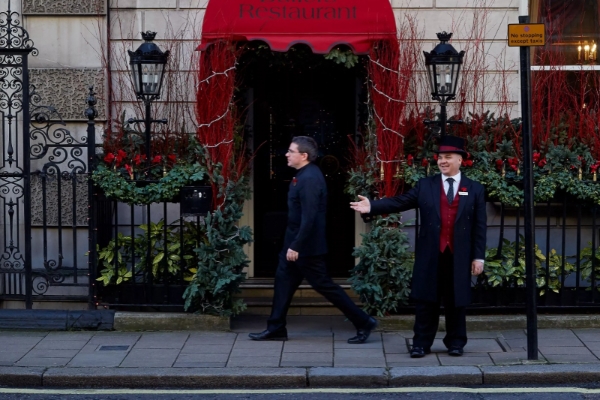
column 427, row 315
column 288, row 277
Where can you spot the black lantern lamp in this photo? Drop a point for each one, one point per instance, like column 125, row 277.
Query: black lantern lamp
column 147, row 70
column 148, row 67
column 443, row 68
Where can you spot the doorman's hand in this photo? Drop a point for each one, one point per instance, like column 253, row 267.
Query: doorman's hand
column 363, row 206
column 476, row 267
column 291, row 255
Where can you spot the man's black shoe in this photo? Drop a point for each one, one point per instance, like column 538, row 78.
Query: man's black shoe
column 267, row 335
column 418, row 352
column 363, row 334
column 455, row 351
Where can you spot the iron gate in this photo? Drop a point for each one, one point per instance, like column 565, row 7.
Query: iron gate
column 43, row 186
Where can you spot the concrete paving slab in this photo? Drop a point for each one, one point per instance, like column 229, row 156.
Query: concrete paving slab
column 162, row 340
column 42, row 362
column 218, row 338
column 353, row 362
column 307, row 348
column 374, row 345
column 593, row 346
column 199, row 365
column 119, row 339
column 176, row 377
column 483, row 346
column 60, row 344
column 546, row 342
column 474, row 360
column 144, row 358
column 206, row 348
column 431, row 376
column 98, row 359
column 347, row 377
column 588, row 335
column 253, row 362
column 10, row 358
column 70, row 335
column 429, row 359
column 556, row 334
column 21, row 377
column 540, row 374
column 14, row 349
column 359, row 353
column 571, row 358
column 44, row 353
column 516, row 343
column 256, row 352
column 511, row 358
column 307, row 360
column 513, row 334
column 203, row 358
column 255, row 345
column 554, row 350
column 318, row 337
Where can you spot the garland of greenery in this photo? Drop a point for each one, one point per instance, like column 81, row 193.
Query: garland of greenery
column 116, row 186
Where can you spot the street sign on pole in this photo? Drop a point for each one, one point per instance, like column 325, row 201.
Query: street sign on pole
column 525, row 35
column 521, row 35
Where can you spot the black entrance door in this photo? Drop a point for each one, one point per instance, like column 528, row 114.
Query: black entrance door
column 319, row 99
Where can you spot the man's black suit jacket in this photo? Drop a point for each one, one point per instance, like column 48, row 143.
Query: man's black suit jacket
column 307, row 209
column 469, row 234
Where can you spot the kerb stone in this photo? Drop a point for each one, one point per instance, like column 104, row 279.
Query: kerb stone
column 347, row 377
column 427, row 376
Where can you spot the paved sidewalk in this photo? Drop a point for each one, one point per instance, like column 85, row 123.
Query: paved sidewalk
column 316, row 355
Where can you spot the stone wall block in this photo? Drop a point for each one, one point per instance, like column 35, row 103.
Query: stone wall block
column 64, row 7
column 66, row 90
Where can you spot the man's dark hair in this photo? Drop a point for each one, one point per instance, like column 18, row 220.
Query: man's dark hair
column 307, row 145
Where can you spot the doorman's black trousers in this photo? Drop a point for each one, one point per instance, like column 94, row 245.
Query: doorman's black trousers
column 427, row 315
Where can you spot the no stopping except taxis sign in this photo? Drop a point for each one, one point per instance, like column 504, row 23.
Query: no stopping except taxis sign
column 526, row 35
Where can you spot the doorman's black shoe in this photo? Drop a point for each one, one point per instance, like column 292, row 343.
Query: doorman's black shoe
column 267, row 335
column 455, row 351
column 363, row 334
column 418, row 352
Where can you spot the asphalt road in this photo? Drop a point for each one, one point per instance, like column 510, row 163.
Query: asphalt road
column 562, row 393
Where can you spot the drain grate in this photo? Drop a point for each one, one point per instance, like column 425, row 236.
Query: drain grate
column 113, row 348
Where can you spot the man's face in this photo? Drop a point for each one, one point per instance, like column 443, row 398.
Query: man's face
column 296, row 159
column 449, row 163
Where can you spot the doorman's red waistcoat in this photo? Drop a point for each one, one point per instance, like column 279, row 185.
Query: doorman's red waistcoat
column 448, row 213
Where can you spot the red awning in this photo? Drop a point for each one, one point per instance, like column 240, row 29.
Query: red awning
column 321, row 24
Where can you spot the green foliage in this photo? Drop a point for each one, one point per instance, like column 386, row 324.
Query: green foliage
column 508, row 270
column 344, row 57
column 221, row 258
column 589, row 263
column 382, row 277
column 167, row 253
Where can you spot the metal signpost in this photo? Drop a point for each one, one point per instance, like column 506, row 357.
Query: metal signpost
column 525, row 35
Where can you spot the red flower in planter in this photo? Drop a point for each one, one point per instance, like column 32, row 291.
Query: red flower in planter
column 467, row 163
column 138, row 159
column 424, row 162
column 157, row 160
column 513, row 163
column 109, row 158
column 120, row 156
column 409, row 159
column 172, row 158
column 499, row 164
column 129, row 170
column 536, row 157
column 542, row 163
column 435, row 157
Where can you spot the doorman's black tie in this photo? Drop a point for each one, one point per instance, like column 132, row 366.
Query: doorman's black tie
column 450, row 193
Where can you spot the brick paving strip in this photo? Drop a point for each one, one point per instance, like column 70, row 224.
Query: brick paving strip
column 317, row 355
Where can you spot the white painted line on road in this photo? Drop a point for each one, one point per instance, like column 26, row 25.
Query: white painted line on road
column 511, row 390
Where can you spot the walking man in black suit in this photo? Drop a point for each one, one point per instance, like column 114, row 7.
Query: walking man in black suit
column 305, row 247
column 450, row 245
